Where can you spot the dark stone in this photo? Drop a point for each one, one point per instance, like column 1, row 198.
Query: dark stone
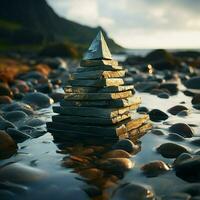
column 126, row 145
column 57, row 97
column 130, row 191
column 7, row 145
column 45, row 88
column 181, row 158
column 146, row 86
column 163, row 95
column 157, row 132
column 177, row 196
column 171, row 150
column 175, row 137
column 154, row 168
column 183, row 113
column 171, row 87
column 193, row 83
column 193, row 189
column 196, row 142
column 14, row 116
column 196, row 99
column 176, row 109
column 189, row 169
column 4, row 125
column 182, row 129
column 142, row 109
column 35, row 122
column 17, row 135
column 38, row 100
column 157, row 115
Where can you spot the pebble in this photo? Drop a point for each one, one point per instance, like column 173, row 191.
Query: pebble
column 143, row 109
column 193, row 189
column 146, row 86
column 35, row 122
column 20, row 173
column 37, row 99
column 116, row 164
column 4, row 125
column 18, row 106
column 117, row 153
column 126, row 145
column 182, row 157
column 7, row 145
column 155, row 168
column 14, row 116
column 157, row 115
column 133, row 191
column 182, row 129
column 22, row 86
column 196, row 99
column 175, row 137
column 157, row 132
column 163, row 95
column 176, row 109
column 177, row 196
column 196, row 142
column 171, row 87
column 171, row 150
column 183, row 113
column 45, row 88
column 17, row 135
column 5, row 100
column 189, row 169
column 92, row 173
column 193, row 83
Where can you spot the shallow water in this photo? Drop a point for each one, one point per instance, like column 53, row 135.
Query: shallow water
column 43, row 153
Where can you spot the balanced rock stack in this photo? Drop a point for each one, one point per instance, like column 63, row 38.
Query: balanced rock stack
column 97, row 104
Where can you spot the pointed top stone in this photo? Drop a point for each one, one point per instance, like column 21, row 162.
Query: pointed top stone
column 98, row 49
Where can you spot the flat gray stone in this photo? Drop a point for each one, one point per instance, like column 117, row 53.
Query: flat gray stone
column 97, row 96
column 98, row 74
column 121, row 88
column 97, row 83
column 100, row 62
column 90, row 120
column 100, row 67
column 115, row 103
column 92, row 111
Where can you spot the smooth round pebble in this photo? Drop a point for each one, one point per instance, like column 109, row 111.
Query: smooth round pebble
column 154, row 168
column 14, row 116
column 175, row 137
column 171, row 150
column 133, row 191
column 181, row 158
column 126, row 145
column 116, row 153
column 193, row 83
column 176, row 109
column 182, row 129
column 157, row 115
column 37, row 99
column 163, row 95
column 7, row 145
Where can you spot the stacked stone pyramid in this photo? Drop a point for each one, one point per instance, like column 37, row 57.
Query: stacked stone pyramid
column 97, row 104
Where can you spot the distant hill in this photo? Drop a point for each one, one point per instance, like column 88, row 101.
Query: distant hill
column 34, row 24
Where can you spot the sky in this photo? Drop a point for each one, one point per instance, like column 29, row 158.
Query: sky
column 138, row 23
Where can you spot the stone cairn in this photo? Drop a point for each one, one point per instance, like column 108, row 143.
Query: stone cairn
column 97, row 105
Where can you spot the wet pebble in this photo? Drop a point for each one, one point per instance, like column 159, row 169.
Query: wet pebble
column 130, row 191
column 117, row 153
column 20, row 173
column 38, row 100
column 182, row 129
column 155, row 168
column 171, row 150
column 17, row 135
column 142, row 109
column 175, row 137
column 177, row 196
column 171, row 87
column 181, row 158
column 126, row 145
column 14, row 116
column 163, row 95
column 189, row 169
column 4, row 125
column 196, row 142
column 157, row 115
column 157, row 132
column 183, row 113
column 35, row 122
column 193, row 83
column 176, row 109
column 116, row 164
column 91, row 173
column 7, row 145
column 196, row 99
column 5, row 90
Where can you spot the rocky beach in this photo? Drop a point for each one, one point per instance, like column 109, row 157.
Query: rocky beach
column 163, row 164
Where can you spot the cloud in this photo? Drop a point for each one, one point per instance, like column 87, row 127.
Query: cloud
column 143, row 23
